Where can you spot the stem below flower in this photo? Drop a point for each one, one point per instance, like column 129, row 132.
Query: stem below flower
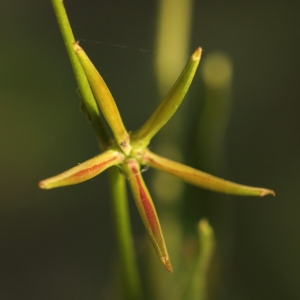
column 131, row 279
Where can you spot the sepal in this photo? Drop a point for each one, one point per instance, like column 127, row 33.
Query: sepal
column 201, row 179
column 147, row 210
column 104, row 99
column 170, row 103
column 84, row 171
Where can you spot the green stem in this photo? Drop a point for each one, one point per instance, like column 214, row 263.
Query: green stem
column 130, row 273
column 85, row 91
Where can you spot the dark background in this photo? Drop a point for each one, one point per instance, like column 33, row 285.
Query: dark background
column 59, row 244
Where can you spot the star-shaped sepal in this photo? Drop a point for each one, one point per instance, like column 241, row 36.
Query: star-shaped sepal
column 130, row 152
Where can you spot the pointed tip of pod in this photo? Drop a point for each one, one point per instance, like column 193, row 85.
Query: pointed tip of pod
column 48, row 184
column 166, row 262
column 197, row 54
column 265, row 192
column 42, row 185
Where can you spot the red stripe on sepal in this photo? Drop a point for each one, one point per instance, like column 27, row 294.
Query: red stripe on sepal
column 84, row 171
column 147, row 210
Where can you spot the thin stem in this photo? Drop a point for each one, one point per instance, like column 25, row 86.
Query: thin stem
column 86, row 94
column 130, row 272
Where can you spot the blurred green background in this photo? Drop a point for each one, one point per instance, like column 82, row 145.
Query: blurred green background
column 59, row 244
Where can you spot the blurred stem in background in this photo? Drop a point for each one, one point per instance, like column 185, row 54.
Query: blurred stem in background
column 196, row 287
column 212, row 116
column 217, row 76
column 174, row 24
column 172, row 51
